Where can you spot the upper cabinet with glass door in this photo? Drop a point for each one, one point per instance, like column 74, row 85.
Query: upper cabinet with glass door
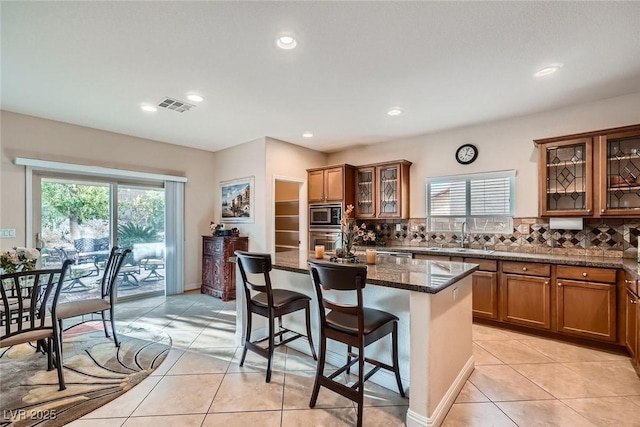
column 382, row 190
column 566, row 177
column 591, row 174
column 619, row 172
column 365, row 192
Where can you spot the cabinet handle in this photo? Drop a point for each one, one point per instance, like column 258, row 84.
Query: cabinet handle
column 588, row 210
column 559, row 283
column 546, row 282
column 584, row 274
column 524, row 268
column 602, row 211
column 633, row 301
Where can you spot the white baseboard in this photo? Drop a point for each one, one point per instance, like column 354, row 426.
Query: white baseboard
column 417, row 420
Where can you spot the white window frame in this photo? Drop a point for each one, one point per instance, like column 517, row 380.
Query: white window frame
column 455, row 220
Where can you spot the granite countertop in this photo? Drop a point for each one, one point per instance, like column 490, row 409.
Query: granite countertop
column 401, row 273
column 629, row 265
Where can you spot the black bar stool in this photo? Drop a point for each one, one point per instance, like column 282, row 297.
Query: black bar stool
column 354, row 325
column 270, row 303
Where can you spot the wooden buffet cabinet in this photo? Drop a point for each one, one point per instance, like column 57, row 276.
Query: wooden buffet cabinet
column 218, row 274
column 591, row 174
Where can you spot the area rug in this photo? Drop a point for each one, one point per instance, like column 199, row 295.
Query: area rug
column 95, row 373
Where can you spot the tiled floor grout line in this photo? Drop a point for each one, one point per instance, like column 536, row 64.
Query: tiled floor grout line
column 288, row 375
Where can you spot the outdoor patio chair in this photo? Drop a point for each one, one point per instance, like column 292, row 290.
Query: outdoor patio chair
column 77, row 271
column 25, row 298
column 150, row 257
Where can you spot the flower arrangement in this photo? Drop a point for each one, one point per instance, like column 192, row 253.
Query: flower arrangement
column 215, row 228
column 352, row 234
column 19, row 259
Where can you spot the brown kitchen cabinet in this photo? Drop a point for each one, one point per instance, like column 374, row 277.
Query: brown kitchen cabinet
column 331, row 184
column 484, row 288
column 382, row 190
column 586, row 302
column 484, row 283
column 218, row 274
column 592, row 174
column 618, row 173
column 365, row 206
column 525, row 294
column 631, row 327
column 566, row 177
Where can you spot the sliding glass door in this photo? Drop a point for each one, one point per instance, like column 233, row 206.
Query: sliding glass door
column 141, row 227
column 81, row 219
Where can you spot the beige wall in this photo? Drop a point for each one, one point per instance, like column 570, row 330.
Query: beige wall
column 288, row 161
column 502, row 145
column 242, row 161
column 32, row 137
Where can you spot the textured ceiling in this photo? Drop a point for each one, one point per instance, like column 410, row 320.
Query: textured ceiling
column 447, row 64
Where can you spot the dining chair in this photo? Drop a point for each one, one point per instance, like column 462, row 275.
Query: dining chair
column 97, row 305
column 270, row 303
column 352, row 324
column 27, row 297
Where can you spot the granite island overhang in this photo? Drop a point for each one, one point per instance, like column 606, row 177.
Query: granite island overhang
column 433, row 301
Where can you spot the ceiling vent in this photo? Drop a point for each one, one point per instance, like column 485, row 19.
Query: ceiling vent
column 175, row 105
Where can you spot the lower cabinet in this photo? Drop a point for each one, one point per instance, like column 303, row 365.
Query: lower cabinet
column 587, row 308
column 526, row 300
column 218, row 274
column 485, row 294
column 632, row 328
column 485, row 288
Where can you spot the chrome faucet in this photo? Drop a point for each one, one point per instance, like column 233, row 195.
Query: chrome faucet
column 464, row 238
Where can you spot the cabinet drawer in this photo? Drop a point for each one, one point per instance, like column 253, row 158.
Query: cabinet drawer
column 527, row 268
column 591, row 274
column 213, row 247
column 631, row 283
column 485, row 264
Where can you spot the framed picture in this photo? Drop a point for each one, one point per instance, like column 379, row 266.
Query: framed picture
column 236, row 197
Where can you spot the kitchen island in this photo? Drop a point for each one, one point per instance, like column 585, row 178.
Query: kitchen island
column 432, row 299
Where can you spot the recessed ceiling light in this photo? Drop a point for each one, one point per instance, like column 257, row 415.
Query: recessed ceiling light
column 195, row 97
column 149, row 108
column 395, row 111
column 286, row 42
column 307, row 134
column 548, row 70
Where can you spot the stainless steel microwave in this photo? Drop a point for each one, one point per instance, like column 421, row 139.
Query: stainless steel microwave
column 325, row 216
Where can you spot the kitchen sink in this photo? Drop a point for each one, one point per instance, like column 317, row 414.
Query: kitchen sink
column 461, row 250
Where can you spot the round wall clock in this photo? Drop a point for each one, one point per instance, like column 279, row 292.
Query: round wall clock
column 466, row 154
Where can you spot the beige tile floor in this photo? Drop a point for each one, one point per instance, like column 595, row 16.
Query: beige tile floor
column 519, row 380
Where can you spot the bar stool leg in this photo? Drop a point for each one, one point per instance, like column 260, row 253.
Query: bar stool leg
column 349, row 358
column 270, row 349
column 396, row 365
column 319, row 371
column 307, row 313
column 360, row 383
column 247, row 338
column 280, row 326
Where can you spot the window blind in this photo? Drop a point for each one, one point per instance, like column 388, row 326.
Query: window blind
column 455, row 199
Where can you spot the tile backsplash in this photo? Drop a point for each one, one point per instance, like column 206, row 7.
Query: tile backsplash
column 599, row 237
